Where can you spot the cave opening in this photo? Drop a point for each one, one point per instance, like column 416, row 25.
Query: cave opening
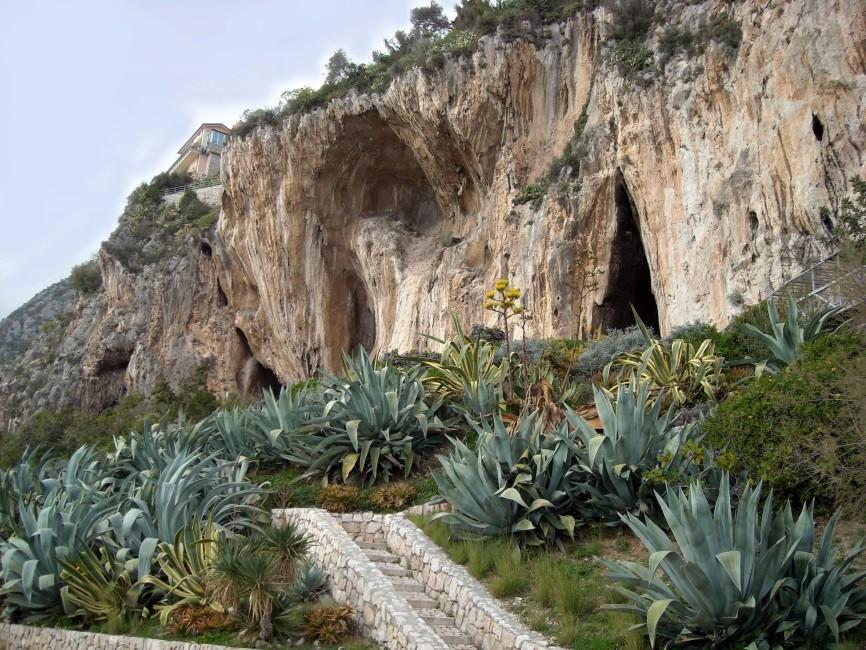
column 630, row 279
column 370, row 188
column 362, row 331
column 252, row 376
column 817, row 128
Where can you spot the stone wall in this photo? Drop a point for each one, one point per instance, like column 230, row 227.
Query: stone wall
column 27, row 637
column 459, row 594
column 211, row 196
column 381, row 613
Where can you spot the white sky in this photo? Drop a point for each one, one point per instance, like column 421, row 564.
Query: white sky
column 96, row 96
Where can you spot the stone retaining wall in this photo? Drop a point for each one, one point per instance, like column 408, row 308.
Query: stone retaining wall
column 211, row 196
column 28, row 637
column 460, row 595
column 382, row 614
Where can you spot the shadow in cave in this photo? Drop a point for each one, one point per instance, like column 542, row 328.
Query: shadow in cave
column 630, row 281
column 370, row 182
column 252, row 376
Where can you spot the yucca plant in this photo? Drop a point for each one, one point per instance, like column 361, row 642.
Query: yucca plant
column 676, row 371
column 223, row 572
column 377, row 421
column 787, row 337
column 467, row 373
column 288, row 545
column 513, row 485
column 639, row 450
column 723, row 571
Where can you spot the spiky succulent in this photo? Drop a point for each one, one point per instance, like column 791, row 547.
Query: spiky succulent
column 513, row 485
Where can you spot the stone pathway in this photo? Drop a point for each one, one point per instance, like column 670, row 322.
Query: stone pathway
column 406, row 592
column 407, row 583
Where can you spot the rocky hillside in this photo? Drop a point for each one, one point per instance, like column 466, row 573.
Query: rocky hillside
column 686, row 181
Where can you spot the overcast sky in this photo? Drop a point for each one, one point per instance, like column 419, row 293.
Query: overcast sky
column 97, row 96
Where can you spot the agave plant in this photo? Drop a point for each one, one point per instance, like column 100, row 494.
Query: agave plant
column 513, row 485
column 100, row 587
column 467, row 373
column 825, row 597
column 723, row 570
column 787, row 337
column 49, row 533
column 191, row 487
column 282, row 419
column 376, row 422
column 638, row 449
column 310, row 583
column 676, row 371
column 23, row 484
column 231, row 434
column 184, row 564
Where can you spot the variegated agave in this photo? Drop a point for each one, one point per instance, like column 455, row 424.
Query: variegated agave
column 376, row 423
column 676, row 372
column 467, row 374
column 514, row 484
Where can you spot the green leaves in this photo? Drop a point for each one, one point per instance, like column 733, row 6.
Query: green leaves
column 785, row 338
column 374, row 424
column 735, row 577
column 513, row 485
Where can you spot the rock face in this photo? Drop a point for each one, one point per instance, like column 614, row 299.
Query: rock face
column 369, row 222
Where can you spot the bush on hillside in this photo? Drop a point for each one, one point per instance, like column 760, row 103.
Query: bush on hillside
column 794, row 429
column 86, row 277
column 599, row 353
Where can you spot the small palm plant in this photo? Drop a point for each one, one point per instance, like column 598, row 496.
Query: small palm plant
column 288, row 545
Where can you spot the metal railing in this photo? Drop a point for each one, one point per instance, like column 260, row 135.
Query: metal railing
column 195, row 185
column 823, row 283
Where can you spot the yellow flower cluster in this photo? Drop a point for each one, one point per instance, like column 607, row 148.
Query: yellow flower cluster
column 503, row 298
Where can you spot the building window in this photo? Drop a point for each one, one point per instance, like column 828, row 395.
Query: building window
column 216, row 138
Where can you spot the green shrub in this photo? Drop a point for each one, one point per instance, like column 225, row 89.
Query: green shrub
column 598, row 353
column 792, row 429
column 87, row 277
column 726, row 30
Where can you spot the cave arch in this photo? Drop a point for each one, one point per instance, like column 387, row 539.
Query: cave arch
column 369, row 181
column 629, row 275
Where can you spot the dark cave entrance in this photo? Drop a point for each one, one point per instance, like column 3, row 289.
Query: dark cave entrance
column 630, row 281
column 362, row 323
column 253, row 377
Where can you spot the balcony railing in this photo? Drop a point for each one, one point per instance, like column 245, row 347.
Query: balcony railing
column 195, row 185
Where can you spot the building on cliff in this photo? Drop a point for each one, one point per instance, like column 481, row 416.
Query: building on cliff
column 200, row 155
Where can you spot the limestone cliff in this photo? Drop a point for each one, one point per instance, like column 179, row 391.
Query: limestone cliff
column 372, row 220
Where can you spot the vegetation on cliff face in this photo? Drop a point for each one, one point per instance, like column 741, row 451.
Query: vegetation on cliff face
column 151, row 229
column 431, row 39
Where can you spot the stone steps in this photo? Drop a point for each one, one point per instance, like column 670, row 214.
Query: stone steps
column 411, row 588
